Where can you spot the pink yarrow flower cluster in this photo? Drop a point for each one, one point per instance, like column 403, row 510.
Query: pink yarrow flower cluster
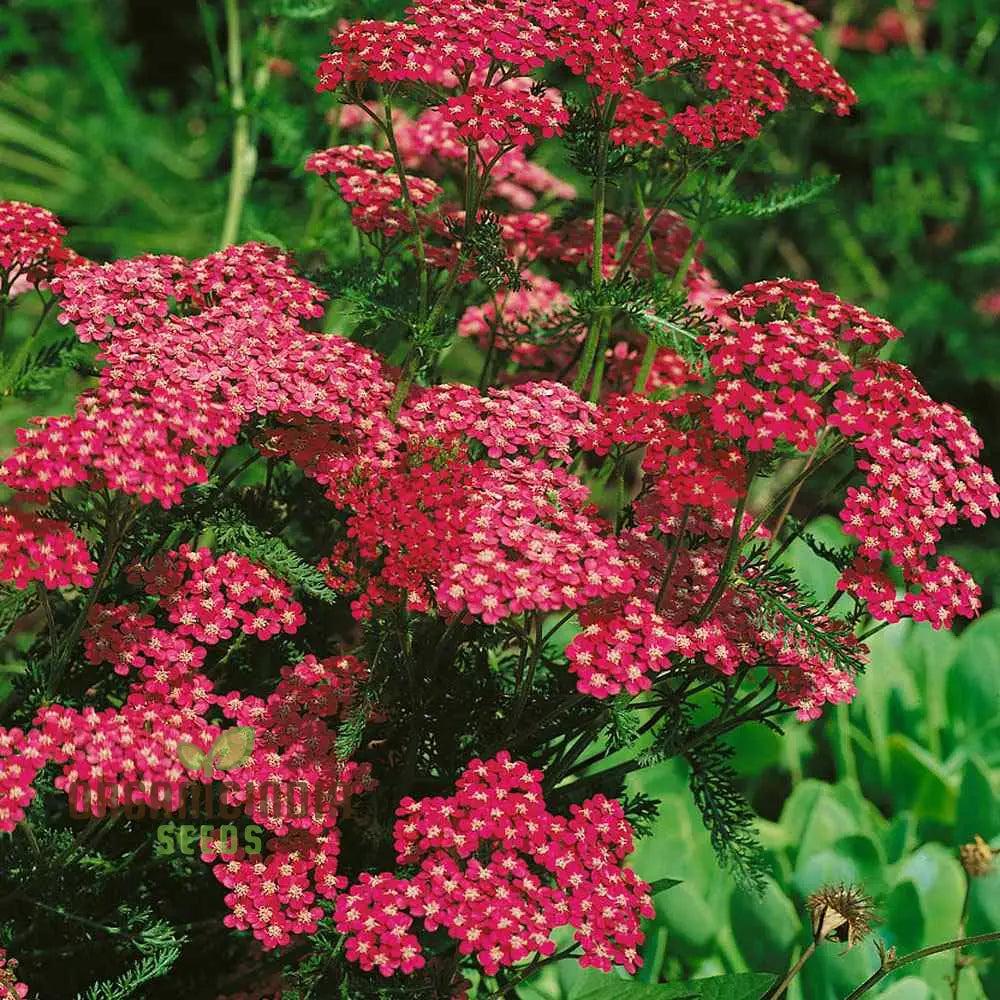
column 31, row 247
column 464, row 512
column 921, row 473
column 177, row 385
column 499, row 873
column 127, row 757
column 10, row 986
column 780, row 345
column 116, row 756
column 37, row 548
column 748, row 50
column 431, row 145
column 366, row 180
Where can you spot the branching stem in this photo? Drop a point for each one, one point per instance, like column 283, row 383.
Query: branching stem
column 891, row 964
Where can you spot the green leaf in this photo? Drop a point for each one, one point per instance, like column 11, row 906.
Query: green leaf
column 974, row 682
column 766, row 927
column 904, row 919
column 739, row 986
column 234, row 532
column 814, row 819
column 920, row 782
column 689, row 918
column 940, row 884
column 909, row 988
column 855, row 860
column 662, row 884
column 978, row 809
column 775, row 202
column 13, row 604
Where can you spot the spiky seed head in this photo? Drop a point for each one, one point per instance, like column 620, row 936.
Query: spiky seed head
column 977, row 858
column 841, row 913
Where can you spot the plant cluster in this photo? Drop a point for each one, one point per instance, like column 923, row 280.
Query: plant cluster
column 468, row 608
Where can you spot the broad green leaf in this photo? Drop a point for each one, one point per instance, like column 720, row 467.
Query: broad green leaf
column 855, row 860
column 662, row 884
column 832, row 972
column 654, row 954
column 765, row 927
column 909, row 988
column 940, row 884
column 827, row 821
column 688, row 916
column 904, row 919
column 799, row 807
column 984, row 916
column 900, row 837
column 974, row 682
column 978, row 809
column 927, row 655
column 920, row 782
column 739, row 986
column 887, row 695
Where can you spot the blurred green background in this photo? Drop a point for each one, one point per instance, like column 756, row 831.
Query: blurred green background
column 115, row 115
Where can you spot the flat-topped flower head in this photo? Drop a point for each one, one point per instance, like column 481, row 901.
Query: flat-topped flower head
column 500, row 873
column 31, row 248
column 754, row 53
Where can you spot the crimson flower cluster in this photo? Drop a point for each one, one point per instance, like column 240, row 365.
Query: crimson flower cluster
column 126, row 757
column 748, row 50
column 430, row 145
column 366, row 181
column 472, row 505
column 10, row 987
column 31, row 247
column 500, row 873
column 38, row 548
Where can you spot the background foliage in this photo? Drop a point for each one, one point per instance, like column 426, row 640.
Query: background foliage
column 115, row 115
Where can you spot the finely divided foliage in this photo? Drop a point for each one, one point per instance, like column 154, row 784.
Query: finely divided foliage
column 604, row 476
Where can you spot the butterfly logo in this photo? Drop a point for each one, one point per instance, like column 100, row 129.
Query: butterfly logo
column 231, row 749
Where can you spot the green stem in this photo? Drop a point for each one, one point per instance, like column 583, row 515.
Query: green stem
column 411, row 211
column 645, row 234
column 50, row 618
column 890, row 965
column 596, row 270
column 779, row 989
column 74, row 917
column 954, row 982
column 29, row 834
column 529, row 970
column 675, row 283
column 4, row 305
column 538, row 645
column 732, row 553
column 602, row 359
column 674, row 555
column 783, row 547
column 800, row 482
column 116, row 531
column 804, row 474
column 243, row 154
column 570, row 702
